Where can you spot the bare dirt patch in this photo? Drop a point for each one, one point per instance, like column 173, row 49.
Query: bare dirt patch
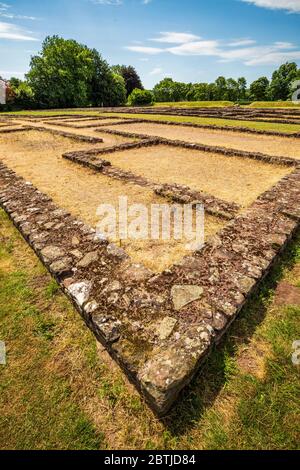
column 37, row 156
column 232, row 179
column 270, row 145
column 92, row 122
column 108, row 139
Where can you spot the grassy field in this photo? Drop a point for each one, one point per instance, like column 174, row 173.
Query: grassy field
column 59, row 391
column 213, row 121
column 196, row 104
column 273, row 104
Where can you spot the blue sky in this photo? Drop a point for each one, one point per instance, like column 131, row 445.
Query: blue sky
column 190, row 40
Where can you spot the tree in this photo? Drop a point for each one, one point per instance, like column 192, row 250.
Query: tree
column 23, row 94
column 117, row 93
column 282, row 79
column 131, row 77
column 60, row 75
column 232, row 90
column 140, row 98
column 102, row 83
column 169, row 91
column 221, row 89
column 242, row 88
column 259, row 89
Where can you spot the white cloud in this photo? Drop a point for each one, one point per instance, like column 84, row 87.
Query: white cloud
column 15, row 33
column 6, row 13
column 235, row 50
column 156, row 71
column 241, row 42
column 145, row 49
column 175, row 38
column 293, row 6
column 196, row 48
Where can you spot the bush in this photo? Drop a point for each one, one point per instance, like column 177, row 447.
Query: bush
column 140, row 98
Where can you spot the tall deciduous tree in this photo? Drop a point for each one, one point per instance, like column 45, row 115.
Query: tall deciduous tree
column 131, row 77
column 61, row 73
column 259, row 89
column 282, row 79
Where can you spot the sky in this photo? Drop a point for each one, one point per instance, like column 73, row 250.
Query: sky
column 187, row 40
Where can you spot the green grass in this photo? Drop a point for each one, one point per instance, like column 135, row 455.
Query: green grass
column 59, row 392
column 195, row 104
column 213, row 121
column 273, row 104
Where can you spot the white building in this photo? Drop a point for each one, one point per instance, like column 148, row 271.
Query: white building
column 2, row 92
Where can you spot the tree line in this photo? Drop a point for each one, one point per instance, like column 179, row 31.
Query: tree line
column 67, row 74
column 280, row 87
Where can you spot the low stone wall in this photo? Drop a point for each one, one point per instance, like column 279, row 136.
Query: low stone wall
column 158, row 327
column 221, row 128
column 225, row 151
column 185, row 195
column 90, row 126
column 69, row 135
column 181, row 194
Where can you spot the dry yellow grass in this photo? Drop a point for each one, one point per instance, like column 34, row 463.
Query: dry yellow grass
column 81, row 122
column 37, row 157
column 270, row 145
column 233, row 179
column 109, row 140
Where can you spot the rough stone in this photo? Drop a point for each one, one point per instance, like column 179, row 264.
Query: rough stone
column 184, row 295
column 62, row 266
column 52, row 253
column 88, row 259
column 80, row 291
column 166, row 327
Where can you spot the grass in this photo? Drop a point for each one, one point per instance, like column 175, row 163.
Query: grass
column 266, row 126
column 273, row 104
column 59, row 391
column 195, row 104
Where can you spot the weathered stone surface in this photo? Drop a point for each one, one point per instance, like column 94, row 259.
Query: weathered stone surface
column 88, row 259
column 114, row 286
column 80, row 291
column 62, row 267
column 91, row 307
column 184, row 295
column 166, row 327
column 52, row 253
column 136, row 273
column 77, row 253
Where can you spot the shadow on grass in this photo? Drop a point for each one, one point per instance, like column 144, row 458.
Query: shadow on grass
column 201, row 394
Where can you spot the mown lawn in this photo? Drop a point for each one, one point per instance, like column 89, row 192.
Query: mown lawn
column 213, row 121
column 59, row 391
column 195, row 120
column 195, row 104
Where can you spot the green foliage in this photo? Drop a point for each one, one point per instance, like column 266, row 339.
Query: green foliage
column 24, row 97
column 230, row 89
column 117, row 93
column 140, row 98
column 282, row 79
column 130, row 76
column 67, row 74
column 61, row 73
column 259, row 89
column 168, row 90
